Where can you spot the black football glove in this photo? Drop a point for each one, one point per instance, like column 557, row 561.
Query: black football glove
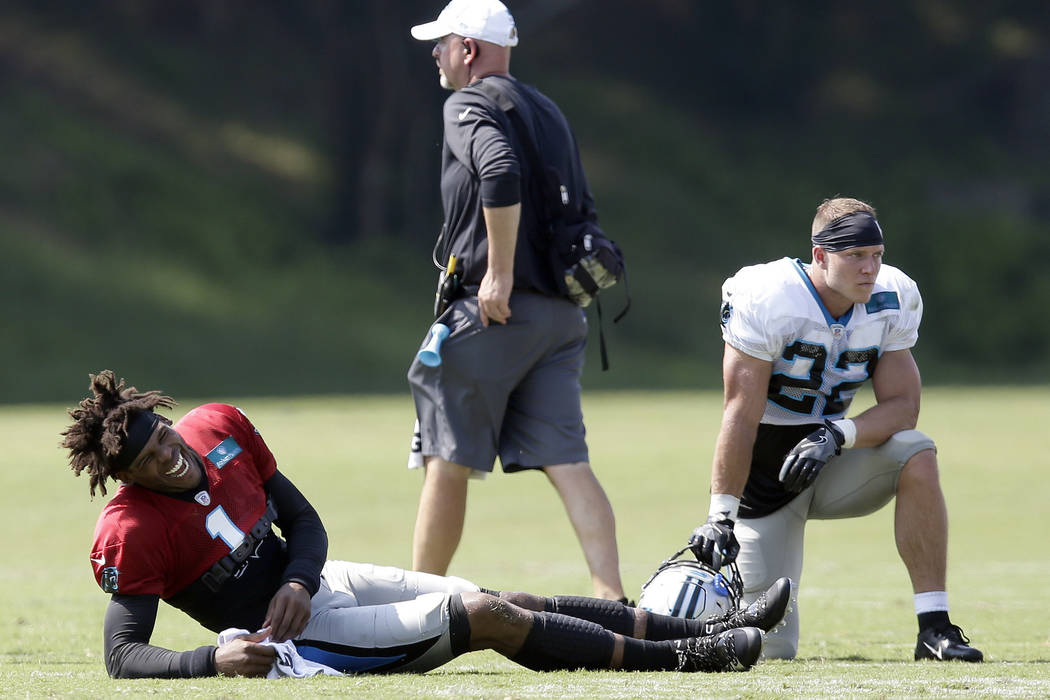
column 714, row 543
column 805, row 459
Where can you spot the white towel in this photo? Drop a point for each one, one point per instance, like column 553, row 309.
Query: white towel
column 288, row 663
column 415, row 448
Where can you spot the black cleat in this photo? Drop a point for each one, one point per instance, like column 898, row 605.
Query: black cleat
column 946, row 644
column 734, row 650
column 765, row 613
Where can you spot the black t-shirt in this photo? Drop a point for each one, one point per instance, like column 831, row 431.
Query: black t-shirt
column 484, row 164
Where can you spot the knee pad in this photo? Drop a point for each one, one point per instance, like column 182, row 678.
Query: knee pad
column 906, row 444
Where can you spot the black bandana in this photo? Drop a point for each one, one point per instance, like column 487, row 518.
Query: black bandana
column 140, row 428
column 854, row 230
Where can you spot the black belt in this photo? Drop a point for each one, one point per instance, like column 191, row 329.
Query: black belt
column 222, row 570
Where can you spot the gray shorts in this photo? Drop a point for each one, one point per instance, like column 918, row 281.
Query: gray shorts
column 858, row 482
column 368, row 618
column 509, row 390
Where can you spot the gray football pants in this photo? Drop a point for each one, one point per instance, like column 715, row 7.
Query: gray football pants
column 856, row 483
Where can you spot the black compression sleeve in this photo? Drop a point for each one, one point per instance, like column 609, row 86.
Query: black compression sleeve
column 126, row 633
column 610, row 614
column 302, row 528
column 558, row 642
column 501, row 191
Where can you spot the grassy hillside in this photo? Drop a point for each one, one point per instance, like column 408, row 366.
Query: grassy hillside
column 164, row 209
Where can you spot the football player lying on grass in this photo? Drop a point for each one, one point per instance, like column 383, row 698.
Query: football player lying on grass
column 191, row 523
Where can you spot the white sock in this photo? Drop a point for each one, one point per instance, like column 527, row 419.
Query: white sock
column 931, row 601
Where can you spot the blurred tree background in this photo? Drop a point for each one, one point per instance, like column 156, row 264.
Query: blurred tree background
column 222, row 197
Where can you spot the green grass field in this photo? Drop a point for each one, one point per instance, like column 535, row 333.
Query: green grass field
column 652, row 453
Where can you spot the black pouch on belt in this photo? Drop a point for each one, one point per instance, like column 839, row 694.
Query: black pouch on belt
column 450, row 288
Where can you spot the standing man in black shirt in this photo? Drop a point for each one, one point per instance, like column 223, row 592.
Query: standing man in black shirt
column 509, row 382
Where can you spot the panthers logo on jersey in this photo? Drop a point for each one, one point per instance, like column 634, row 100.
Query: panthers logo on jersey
column 108, row 580
column 727, row 312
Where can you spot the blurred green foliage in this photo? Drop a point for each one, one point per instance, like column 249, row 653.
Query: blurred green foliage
column 214, row 198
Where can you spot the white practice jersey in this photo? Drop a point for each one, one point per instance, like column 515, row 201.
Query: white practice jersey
column 772, row 312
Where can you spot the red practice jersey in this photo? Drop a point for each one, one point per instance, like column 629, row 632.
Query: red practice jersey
column 149, row 543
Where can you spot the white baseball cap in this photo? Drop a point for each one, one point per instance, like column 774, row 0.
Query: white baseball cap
column 487, row 20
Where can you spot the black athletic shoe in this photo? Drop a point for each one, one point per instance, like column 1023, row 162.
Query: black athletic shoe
column 735, row 650
column 765, row 613
column 946, row 644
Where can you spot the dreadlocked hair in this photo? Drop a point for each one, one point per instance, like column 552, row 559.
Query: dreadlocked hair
column 100, row 426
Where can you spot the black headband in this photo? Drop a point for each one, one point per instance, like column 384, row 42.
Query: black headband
column 140, row 428
column 854, row 230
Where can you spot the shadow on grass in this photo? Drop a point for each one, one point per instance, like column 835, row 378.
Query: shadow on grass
column 475, row 672
column 857, row 658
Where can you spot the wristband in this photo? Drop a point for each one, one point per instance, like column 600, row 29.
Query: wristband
column 849, row 431
column 724, row 504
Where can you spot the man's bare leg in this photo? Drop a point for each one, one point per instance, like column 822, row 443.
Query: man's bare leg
column 592, row 517
column 921, row 523
column 439, row 521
